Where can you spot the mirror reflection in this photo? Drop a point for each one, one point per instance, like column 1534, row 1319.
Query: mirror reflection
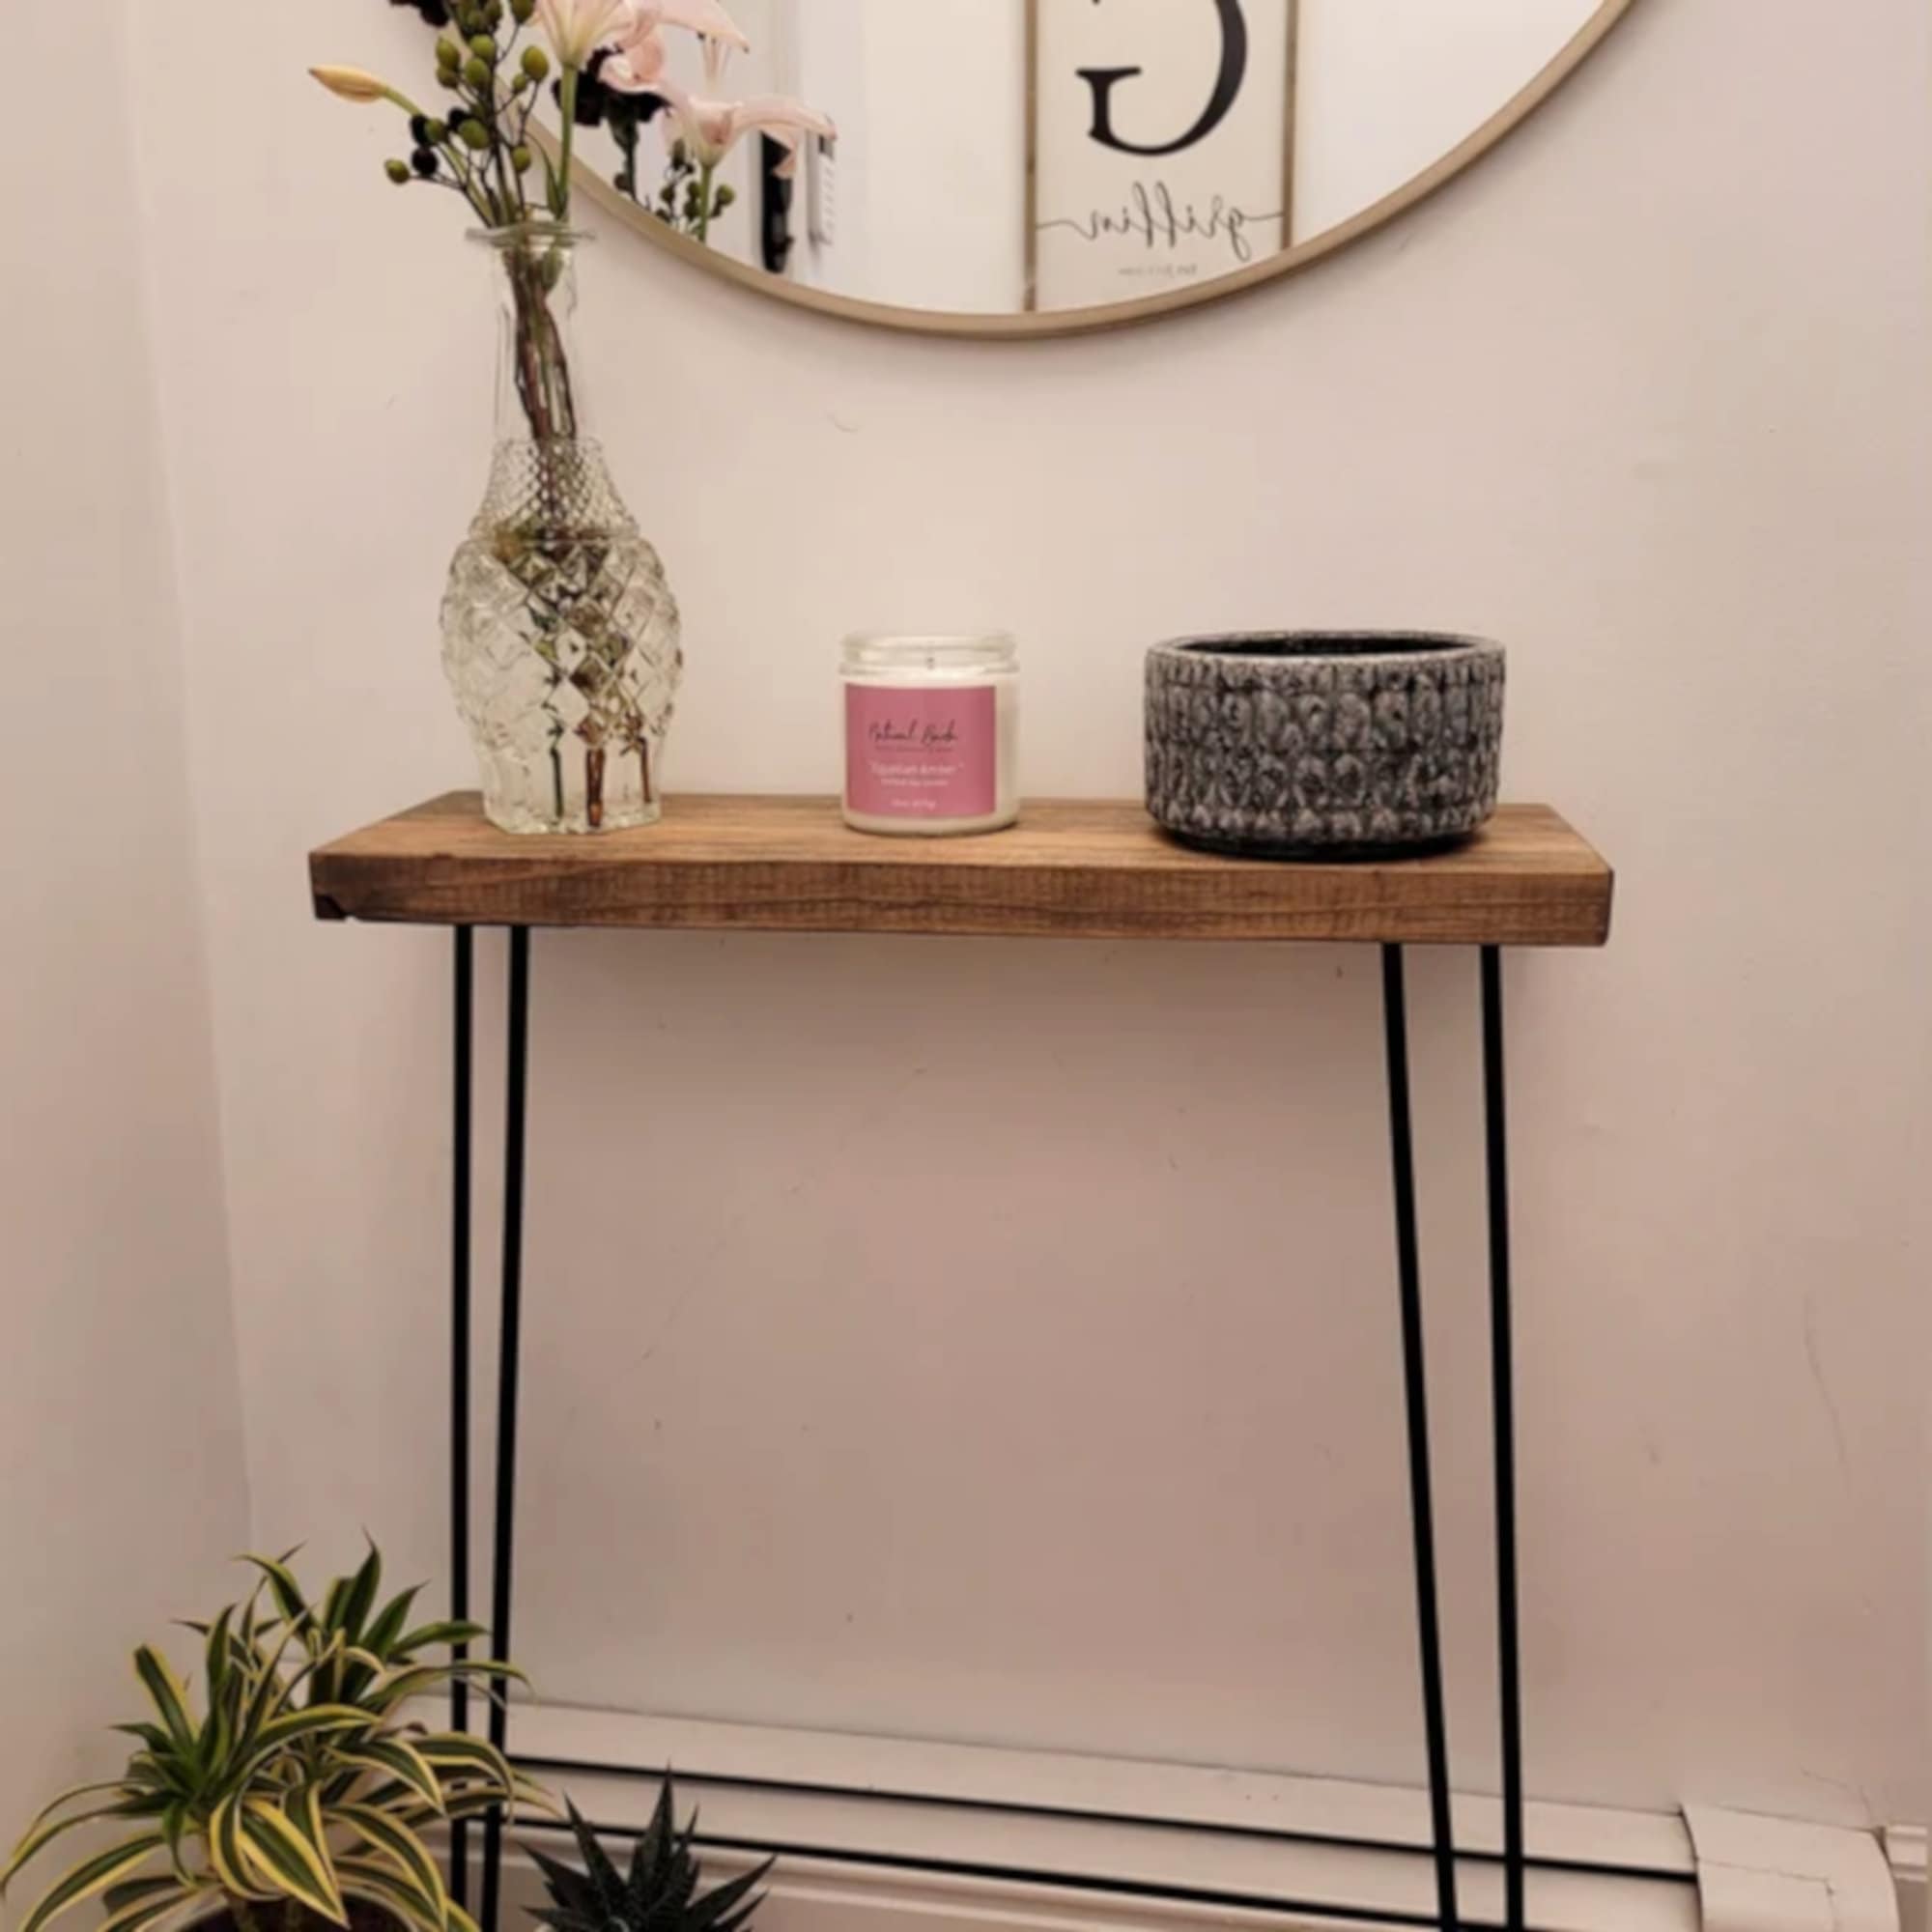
column 988, row 157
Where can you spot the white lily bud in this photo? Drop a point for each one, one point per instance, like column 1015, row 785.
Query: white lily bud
column 350, row 83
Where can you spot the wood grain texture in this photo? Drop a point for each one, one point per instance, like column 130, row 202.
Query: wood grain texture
column 1070, row 870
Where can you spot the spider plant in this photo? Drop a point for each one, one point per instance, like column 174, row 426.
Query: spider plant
column 300, row 1785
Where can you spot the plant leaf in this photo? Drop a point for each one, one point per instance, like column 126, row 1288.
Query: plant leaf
column 282, row 1587
column 429, row 1637
column 282, row 1852
column 650, row 1859
column 227, row 1857
column 597, row 1865
column 465, row 1757
column 169, row 1692
column 404, row 1850
column 317, row 1720
column 44, row 1834
column 572, row 1889
column 718, row 1907
column 381, row 1635
column 400, row 1760
column 371, row 1879
column 134, row 1907
column 359, row 1599
column 95, row 1874
column 20, row 1853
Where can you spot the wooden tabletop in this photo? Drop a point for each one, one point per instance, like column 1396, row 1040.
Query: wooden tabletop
column 1069, row 870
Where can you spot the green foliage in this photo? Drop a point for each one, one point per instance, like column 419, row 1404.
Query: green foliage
column 658, row 1894
column 301, row 1781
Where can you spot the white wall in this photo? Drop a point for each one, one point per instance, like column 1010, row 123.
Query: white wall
column 1386, row 88
column 1114, row 1465
column 122, row 1486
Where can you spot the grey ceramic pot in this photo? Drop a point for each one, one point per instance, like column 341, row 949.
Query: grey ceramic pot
column 1324, row 744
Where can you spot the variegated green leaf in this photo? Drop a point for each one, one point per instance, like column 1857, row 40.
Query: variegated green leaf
column 359, row 1599
column 400, row 1760
column 369, row 1877
column 94, row 1875
column 434, row 1636
column 281, row 1853
column 393, row 1621
column 25, row 1849
column 159, row 1899
column 403, row 1849
column 44, row 1834
column 282, row 1587
column 291, row 1727
column 227, row 1854
column 458, row 1757
column 169, row 1695
column 218, row 1656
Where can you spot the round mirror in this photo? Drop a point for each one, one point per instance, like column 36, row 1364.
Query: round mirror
column 1001, row 167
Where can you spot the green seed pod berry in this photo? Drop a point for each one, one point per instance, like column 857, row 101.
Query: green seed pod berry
column 521, row 160
column 536, row 63
column 726, row 195
column 448, row 52
column 439, row 132
column 475, row 136
column 522, row 12
column 483, row 46
column 398, row 172
column 476, row 73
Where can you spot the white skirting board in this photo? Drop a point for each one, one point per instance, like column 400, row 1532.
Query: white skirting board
column 1905, row 1845
column 889, row 1836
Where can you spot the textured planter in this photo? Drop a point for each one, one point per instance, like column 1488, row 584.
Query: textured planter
column 1324, row 744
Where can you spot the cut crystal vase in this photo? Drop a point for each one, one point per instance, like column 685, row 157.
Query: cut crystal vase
column 560, row 635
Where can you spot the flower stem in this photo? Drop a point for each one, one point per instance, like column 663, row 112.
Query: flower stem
column 705, row 198
column 569, row 141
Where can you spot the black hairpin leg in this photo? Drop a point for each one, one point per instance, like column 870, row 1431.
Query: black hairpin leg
column 1509, row 1666
column 516, row 1115
column 464, row 1088
column 1422, row 1508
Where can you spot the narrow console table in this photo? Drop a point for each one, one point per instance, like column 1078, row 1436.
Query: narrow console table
column 1080, row 871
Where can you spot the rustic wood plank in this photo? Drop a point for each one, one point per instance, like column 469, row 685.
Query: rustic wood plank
column 1070, row 870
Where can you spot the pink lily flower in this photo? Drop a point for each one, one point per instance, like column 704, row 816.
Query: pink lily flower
column 578, row 28
column 708, row 127
column 638, row 51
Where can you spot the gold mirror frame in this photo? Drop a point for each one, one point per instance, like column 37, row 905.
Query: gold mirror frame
column 1042, row 323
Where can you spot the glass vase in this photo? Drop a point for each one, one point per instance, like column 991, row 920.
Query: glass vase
column 560, row 636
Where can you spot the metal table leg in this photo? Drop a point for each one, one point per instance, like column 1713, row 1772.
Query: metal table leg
column 1422, row 1507
column 1502, row 1373
column 464, row 1088
column 516, row 1115
column 1416, row 1385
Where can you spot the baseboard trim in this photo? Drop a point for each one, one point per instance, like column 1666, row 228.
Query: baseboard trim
column 1906, row 1852
column 878, row 1834
column 1777, row 1875
column 1027, row 1839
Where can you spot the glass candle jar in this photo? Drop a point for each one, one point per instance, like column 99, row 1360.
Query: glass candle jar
column 932, row 734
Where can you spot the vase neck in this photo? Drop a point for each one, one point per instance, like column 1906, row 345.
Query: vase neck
column 548, row 492
column 533, row 278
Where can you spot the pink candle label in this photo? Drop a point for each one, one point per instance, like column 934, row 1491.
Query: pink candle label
column 921, row 752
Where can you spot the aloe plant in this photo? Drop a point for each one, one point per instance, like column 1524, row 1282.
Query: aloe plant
column 300, row 1785
column 660, row 1893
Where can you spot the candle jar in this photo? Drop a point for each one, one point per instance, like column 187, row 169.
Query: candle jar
column 932, row 734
